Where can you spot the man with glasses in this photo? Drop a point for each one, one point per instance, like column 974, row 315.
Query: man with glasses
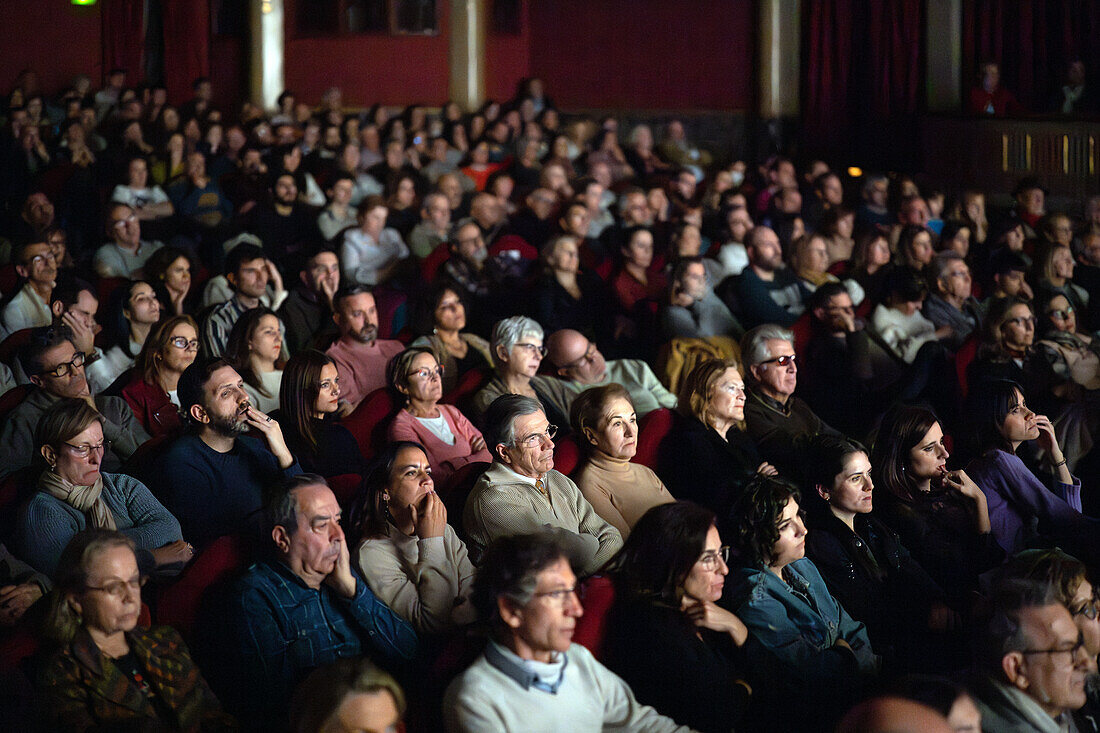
column 775, row 419
column 30, row 307
column 56, row 369
column 126, row 254
column 531, row 676
column 581, row 365
column 521, row 492
column 1033, row 661
column 950, row 303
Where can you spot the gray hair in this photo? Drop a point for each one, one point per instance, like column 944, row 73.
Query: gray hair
column 754, row 344
column 459, row 225
column 871, row 180
column 939, row 265
column 636, row 130
column 500, row 419
column 509, row 331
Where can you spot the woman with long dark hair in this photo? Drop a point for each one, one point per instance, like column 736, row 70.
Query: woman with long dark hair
column 309, row 406
column 255, row 349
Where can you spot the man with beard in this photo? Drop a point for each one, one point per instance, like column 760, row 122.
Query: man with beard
column 213, row 477
column 305, row 608
column 360, row 356
column 283, row 224
column 693, row 311
column 767, row 292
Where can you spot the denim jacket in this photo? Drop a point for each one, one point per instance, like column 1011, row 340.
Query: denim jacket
column 802, row 635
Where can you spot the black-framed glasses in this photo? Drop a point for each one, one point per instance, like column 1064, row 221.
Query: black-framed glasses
column 118, row 589
column 587, row 358
column 1071, row 651
column 560, row 596
column 535, row 439
column 183, row 343
column 1062, row 314
column 709, row 559
column 782, row 361
column 65, row 368
column 425, row 373
column 86, row 449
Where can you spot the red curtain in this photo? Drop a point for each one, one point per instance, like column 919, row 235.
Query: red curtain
column 186, row 45
column 1033, row 41
column 863, row 68
column 124, row 38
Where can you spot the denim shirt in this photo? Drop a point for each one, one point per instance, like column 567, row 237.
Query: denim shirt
column 285, row 629
column 802, row 635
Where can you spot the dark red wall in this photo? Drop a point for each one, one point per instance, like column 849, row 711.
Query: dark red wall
column 55, row 38
column 652, row 54
column 508, row 59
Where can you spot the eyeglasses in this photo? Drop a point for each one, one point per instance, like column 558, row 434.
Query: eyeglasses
column 118, row 589
column 1072, row 651
column 1023, row 321
column 425, row 373
column 1089, row 610
column 532, row 349
column 118, row 224
column 535, row 439
column 86, row 449
column 68, row 367
column 710, row 558
column 1062, row 314
column 782, row 361
column 588, row 357
column 186, row 344
column 41, row 259
column 561, row 596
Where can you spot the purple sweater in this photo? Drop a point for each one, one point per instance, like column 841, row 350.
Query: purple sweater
column 1017, row 501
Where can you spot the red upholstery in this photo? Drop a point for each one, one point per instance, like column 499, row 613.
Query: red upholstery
column 345, row 486
column 567, row 454
column 652, row 429
column 368, row 421
column 140, row 464
column 963, row 358
column 599, row 594
column 510, row 242
column 470, row 383
column 802, row 330
column 108, row 285
column 12, row 344
column 462, row 483
column 9, row 278
column 178, row 605
column 430, row 265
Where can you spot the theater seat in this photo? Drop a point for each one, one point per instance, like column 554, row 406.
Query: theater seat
column 964, row 357
column 140, row 464
column 15, row 489
column 599, row 594
column 802, row 330
column 430, row 265
column 11, row 399
column 468, row 386
column 345, row 487
column 178, row 605
column 368, row 422
column 11, row 345
column 652, row 429
column 462, row 483
column 567, row 455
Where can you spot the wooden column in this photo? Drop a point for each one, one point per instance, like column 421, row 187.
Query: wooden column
column 469, row 21
column 780, row 37
column 266, row 80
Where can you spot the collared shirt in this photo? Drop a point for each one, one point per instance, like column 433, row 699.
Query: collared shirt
column 527, row 673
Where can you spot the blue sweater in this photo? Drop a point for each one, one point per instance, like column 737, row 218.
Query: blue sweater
column 214, row 494
column 46, row 523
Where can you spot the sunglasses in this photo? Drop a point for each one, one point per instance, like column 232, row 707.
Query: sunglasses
column 782, row 361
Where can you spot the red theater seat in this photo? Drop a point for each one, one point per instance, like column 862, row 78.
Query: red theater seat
column 652, row 429
column 178, row 605
column 599, row 594
column 567, row 455
column 368, row 421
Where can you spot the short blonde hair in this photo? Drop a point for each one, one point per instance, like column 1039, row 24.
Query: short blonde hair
column 697, row 390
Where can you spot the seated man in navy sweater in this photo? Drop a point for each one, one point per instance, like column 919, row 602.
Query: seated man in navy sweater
column 767, row 292
column 214, row 476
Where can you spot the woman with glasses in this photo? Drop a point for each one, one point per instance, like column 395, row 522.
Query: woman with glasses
column 824, row 656
column 518, row 351
column 707, row 457
column 1022, row 511
column 1006, row 352
column 255, row 349
column 667, row 637
column 440, row 316
column 941, row 515
column 169, row 349
column 865, row 564
column 309, row 411
column 106, row 671
column 449, row 438
column 73, row 494
column 606, row 426
column 411, row 557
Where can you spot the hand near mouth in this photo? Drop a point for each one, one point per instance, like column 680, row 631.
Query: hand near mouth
column 273, row 435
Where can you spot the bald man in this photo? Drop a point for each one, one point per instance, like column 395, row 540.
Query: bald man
column 580, row 365
column 893, row 715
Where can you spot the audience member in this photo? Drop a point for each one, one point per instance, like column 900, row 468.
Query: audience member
column 359, row 355
column 524, row 680
column 30, row 307
column 309, row 407
column 409, row 554
column 347, row 695
column 371, row 254
column 439, row 315
column 247, row 272
column 766, row 291
column 307, row 311
column 169, row 271
column 692, row 310
column 152, row 392
column 566, row 296
column 126, row 254
column 255, row 350
column 521, row 492
column 951, row 306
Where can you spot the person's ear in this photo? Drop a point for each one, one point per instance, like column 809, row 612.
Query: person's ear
column 819, row 314
column 563, row 372
column 57, row 308
column 198, row 414
column 502, row 353
column 590, row 434
column 510, row 613
column 502, row 451
column 822, row 491
column 74, row 604
column 403, row 389
column 1014, row 666
column 23, row 271
column 231, row 278
column 36, row 380
column 48, row 453
column 755, row 371
column 282, row 539
column 304, row 276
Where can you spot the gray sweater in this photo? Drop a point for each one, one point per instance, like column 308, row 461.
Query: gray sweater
column 46, row 524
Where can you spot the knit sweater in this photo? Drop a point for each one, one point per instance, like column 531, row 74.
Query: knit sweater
column 444, row 459
column 46, row 524
column 646, row 391
column 620, row 491
column 486, row 698
column 427, row 581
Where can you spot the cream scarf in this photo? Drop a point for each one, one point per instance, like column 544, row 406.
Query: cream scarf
column 85, row 499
